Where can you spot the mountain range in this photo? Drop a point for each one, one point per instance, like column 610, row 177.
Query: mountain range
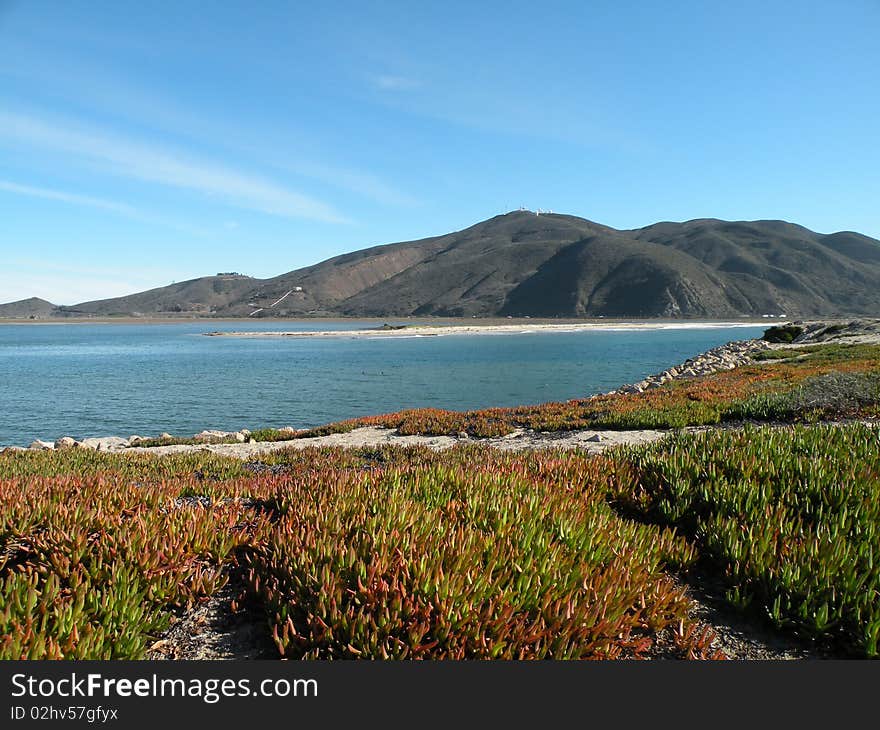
column 544, row 265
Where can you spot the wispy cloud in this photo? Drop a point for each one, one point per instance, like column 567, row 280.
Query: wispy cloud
column 362, row 183
column 73, row 80
column 391, row 82
column 50, row 194
column 122, row 209
column 159, row 165
column 70, row 79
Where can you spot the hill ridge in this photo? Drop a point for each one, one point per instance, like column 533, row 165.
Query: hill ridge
column 551, row 265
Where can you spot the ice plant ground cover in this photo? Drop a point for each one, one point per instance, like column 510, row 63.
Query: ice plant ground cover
column 465, row 553
column 789, row 520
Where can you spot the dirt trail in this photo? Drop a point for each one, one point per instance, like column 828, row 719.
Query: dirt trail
column 217, row 629
column 591, row 441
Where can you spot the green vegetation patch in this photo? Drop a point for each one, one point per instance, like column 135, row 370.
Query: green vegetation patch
column 377, row 553
column 786, row 354
column 92, row 567
column 469, row 554
column 138, row 467
column 789, row 519
column 783, row 333
column 832, row 395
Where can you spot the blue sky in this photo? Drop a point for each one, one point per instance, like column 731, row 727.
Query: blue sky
column 144, row 143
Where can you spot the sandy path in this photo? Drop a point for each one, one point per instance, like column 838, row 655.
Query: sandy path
column 591, row 441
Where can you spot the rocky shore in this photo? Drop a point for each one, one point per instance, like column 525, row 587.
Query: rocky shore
column 118, row 443
column 726, row 357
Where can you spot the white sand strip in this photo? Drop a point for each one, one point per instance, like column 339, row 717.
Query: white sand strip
column 501, row 329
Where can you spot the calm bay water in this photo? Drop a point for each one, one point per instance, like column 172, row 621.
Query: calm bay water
column 118, row 379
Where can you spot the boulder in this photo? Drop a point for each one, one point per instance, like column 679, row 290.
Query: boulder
column 66, row 442
column 41, row 445
column 211, row 436
column 724, row 357
column 104, row 443
column 10, row 449
column 596, row 438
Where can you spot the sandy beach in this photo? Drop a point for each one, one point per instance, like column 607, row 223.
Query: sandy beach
column 492, row 329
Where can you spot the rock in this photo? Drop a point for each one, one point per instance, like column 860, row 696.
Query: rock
column 10, row 449
column 724, row 357
column 463, row 435
column 596, row 438
column 165, row 436
column 210, row 436
column 104, row 443
column 136, row 440
column 41, row 445
column 245, row 432
column 66, row 442
column 240, row 437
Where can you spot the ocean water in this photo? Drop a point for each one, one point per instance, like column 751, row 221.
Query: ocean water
column 121, row 379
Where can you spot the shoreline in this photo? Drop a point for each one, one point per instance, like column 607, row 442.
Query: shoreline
column 491, row 329
column 724, row 357
column 421, row 320
column 240, row 444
